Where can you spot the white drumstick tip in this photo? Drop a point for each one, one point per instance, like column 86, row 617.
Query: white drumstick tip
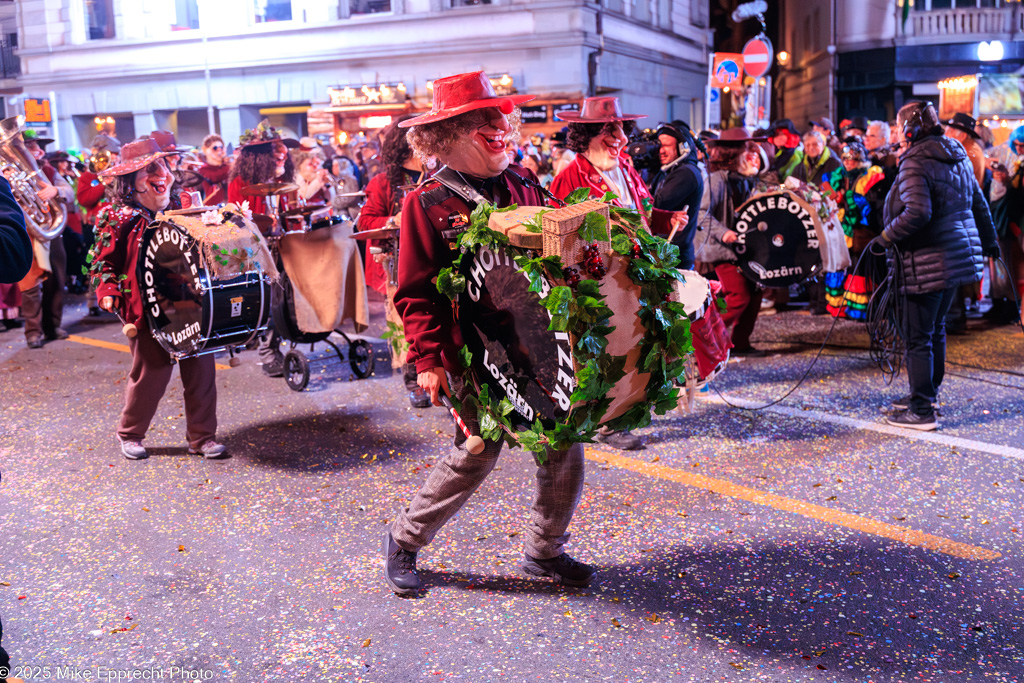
column 474, row 444
column 129, row 330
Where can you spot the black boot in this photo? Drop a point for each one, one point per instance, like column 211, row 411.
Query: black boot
column 563, row 569
column 400, row 568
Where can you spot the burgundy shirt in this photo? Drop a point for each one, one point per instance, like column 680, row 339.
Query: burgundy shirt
column 430, row 218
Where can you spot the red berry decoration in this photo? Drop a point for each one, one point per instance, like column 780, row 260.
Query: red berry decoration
column 666, row 298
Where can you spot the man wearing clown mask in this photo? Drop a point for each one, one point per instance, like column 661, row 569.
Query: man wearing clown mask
column 466, row 131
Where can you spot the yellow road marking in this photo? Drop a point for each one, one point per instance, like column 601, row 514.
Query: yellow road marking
column 111, row 346
column 798, row 507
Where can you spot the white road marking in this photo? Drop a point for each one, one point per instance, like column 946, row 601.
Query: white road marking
column 881, row 428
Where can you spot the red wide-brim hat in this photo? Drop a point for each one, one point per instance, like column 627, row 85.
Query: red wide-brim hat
column 454, row 95
column 598, row 110
column 136, row 155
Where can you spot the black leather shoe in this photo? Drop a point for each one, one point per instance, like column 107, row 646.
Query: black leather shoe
column 419, row 398
column 400, row 568
column 34, row 342
column 58, row 333
column 623, row 440
column 274, row 368
column 563, row 569
column 749, row 352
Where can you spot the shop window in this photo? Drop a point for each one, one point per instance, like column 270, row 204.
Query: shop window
column 99, row 18
column 469, row 3
column 186, row 15
column 368, row 6
column 273, row 10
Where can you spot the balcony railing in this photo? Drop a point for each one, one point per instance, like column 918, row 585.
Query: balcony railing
column 964, row 24
column 10, row 63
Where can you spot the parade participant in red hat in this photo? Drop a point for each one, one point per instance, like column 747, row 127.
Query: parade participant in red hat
column 598, row 134
column 141, row 189
column 466, row 131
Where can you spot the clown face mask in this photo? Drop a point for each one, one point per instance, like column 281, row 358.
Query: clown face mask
column 481, row 152
column 153, row 186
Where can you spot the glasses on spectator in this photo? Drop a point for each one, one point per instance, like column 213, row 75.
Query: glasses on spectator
column 217, row 148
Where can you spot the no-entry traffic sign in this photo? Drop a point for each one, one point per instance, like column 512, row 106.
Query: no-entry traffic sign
column 757, row 56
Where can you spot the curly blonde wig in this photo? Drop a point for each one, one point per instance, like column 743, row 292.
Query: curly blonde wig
column 437, row 139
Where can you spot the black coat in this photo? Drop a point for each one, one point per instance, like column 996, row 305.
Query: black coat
column 937, row 217
column 15, row 245
column 680, row 188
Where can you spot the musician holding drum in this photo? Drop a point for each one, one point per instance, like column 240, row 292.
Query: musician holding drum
column 466, row 130
column 141, row 189
column 598, row 134
column 732, row 180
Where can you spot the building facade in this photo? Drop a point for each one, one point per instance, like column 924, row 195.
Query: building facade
column 871, row 57
column 132, row 66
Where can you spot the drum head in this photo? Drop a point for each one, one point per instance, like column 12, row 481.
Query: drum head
column 778, row 243
column 514, row 353
column 170, row 275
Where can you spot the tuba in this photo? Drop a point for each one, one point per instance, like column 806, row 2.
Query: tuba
column 44, row 220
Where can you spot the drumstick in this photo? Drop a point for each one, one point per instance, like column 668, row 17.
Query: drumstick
column 127, row 329
column 474, row 444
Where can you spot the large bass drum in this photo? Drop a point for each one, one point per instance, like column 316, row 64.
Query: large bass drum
column 778, row 239
column 196, row 299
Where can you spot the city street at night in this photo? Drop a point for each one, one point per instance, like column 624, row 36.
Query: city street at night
column 804, row 542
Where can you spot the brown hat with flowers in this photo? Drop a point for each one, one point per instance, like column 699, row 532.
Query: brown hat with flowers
column 135, row 155
column 264, row 134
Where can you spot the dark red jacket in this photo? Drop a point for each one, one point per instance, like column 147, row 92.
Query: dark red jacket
column 427, row 246
column 90, row 194
column 581, row 173
column 118, row 255
column 380, row 200
column 215, row 183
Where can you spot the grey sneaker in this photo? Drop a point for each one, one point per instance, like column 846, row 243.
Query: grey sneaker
column 133, row 450
column 911, row 420
column 563, row 569
column 211, row 450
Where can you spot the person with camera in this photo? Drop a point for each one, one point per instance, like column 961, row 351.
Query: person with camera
column 679, row 183
column 938, row 228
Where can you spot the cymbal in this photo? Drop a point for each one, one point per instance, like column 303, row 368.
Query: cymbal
column 267, row 189
column 360, row 193
column 378, row 234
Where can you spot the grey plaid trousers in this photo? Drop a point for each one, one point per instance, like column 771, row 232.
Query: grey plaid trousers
column 453, row 480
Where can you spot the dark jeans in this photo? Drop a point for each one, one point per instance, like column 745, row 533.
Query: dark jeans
column 924, row 326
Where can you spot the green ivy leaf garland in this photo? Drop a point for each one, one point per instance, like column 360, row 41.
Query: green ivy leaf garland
column 583, row 313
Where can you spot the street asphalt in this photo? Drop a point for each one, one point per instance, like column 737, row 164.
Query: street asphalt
column 801, row 542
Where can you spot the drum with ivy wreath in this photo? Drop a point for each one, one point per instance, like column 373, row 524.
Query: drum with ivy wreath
column 571, row 320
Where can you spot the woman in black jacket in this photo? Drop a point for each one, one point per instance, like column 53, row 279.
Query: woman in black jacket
column 937, row 218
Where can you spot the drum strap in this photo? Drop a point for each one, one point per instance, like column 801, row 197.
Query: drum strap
column 454, row 181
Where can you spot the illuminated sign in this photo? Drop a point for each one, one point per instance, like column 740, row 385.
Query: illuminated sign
column 367, row 95
column 38, row 111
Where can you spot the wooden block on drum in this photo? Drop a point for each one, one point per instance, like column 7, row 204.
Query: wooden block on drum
column 520, row 237
column 560, row 229
column 505, row 221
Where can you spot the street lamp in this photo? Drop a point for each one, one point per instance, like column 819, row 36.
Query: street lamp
column 783, row 58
